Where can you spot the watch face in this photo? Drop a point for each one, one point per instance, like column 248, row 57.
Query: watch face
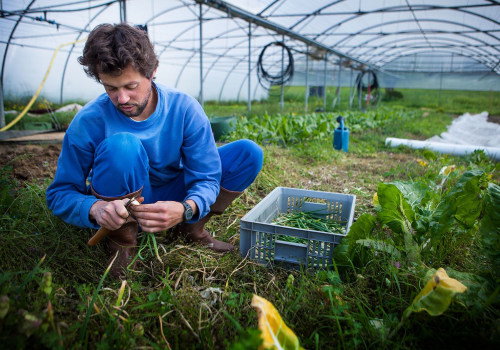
column 188, row 211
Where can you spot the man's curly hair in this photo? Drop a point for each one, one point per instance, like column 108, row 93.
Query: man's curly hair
column 110, row 48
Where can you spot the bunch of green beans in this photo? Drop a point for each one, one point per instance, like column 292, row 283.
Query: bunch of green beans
column 309, row 221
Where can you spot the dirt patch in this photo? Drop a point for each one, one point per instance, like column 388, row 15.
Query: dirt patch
column 29, row 162
column 494, row 119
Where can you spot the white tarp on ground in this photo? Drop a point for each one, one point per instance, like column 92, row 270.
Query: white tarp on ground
column 471, row 130
column 466, row 134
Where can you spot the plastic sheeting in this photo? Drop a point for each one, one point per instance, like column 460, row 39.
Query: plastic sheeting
column 471, row 129
column 466, row 134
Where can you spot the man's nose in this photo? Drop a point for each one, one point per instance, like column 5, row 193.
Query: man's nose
column 122, row 96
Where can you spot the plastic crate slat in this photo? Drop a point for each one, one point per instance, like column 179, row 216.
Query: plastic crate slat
column 266, row 240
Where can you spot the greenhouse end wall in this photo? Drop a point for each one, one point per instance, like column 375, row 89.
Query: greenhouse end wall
column 482, row 81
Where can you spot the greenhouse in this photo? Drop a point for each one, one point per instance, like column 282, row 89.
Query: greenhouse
column 371, row 128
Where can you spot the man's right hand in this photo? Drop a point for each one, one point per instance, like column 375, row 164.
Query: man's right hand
column 111, row 215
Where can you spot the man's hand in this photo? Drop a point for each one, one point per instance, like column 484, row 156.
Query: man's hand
column 111, row 215
column 160, row 216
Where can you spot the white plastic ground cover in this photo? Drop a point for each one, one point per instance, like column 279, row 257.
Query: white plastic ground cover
column 471, row 129
column 466, row 134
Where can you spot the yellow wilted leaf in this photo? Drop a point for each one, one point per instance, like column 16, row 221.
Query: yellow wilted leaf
column 436, row 295
column 275, row 333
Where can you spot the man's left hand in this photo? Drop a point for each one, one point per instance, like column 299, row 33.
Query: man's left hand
column 159, row 216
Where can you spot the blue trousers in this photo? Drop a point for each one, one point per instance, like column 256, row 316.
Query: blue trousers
column 121, row 166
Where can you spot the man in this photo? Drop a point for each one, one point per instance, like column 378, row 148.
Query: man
column 144, row 140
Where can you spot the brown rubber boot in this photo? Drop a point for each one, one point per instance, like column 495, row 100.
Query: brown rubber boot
column 196, row 232
column 123, row 240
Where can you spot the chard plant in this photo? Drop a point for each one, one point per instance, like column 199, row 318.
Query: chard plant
column 422, row 224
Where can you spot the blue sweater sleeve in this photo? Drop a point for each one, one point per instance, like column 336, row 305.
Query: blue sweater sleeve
column 67, row 196
column 201, row 159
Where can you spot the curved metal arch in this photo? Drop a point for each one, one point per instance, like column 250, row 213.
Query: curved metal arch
column 219, row 57
column 10, row 39
column 223, row 54
column 163, row 12
column 194, row 53
column 166, row 46
column 389, row 58
column 423, row 20
column 414, row 38
column 431, row 32
column 451, row 49
column 467, row 48
column 426, row 20
column 243, row 82
column 427, row 50
column 232, row 71
column 466, row 52
column 315, row 13
column 192, row 56
column 414, row 7
column 73, row 46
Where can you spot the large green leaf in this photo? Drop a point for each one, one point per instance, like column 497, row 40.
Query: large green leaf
column 380, row 246
column 462, row 203
column 396, row 212
column 413, row 192
column 490, row 227
column 399, row 216
column 360, row 229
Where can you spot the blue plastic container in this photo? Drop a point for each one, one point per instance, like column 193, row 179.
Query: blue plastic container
column 341, row 136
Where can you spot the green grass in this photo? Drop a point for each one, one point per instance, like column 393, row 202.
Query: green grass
column 446, row 101
column 196, row 299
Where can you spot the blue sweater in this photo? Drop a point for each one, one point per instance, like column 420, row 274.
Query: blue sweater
column 177, row 137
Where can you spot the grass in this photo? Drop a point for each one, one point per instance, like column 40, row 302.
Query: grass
column 197, row 299
column 448, row 101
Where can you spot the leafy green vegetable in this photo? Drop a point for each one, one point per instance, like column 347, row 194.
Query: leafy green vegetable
column 460, row 204
column 399, row 216
column 380, row 246
column 360, row 229
column 490, row 226
column 310, row 221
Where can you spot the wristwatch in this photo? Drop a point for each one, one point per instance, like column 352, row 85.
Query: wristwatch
column 188, row 212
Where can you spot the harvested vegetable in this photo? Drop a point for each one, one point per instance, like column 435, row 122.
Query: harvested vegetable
column 308, row 220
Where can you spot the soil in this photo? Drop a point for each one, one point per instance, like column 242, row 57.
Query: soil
column 29, row 162
column 494, row 119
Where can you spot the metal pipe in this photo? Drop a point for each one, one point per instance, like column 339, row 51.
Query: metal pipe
column 440, row 85
column 123, row 11
column 282, row 93
column 351, row 92
column 61, row 90
column 306, row 97
column 324, row 83
column 338, row 91
column 201, row 55
column 249, row 103
column 2, row 115
column 262, row 22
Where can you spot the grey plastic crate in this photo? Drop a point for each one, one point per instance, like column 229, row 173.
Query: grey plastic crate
column 267, row 243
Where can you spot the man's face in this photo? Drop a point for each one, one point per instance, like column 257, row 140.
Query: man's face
column 130, row 92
